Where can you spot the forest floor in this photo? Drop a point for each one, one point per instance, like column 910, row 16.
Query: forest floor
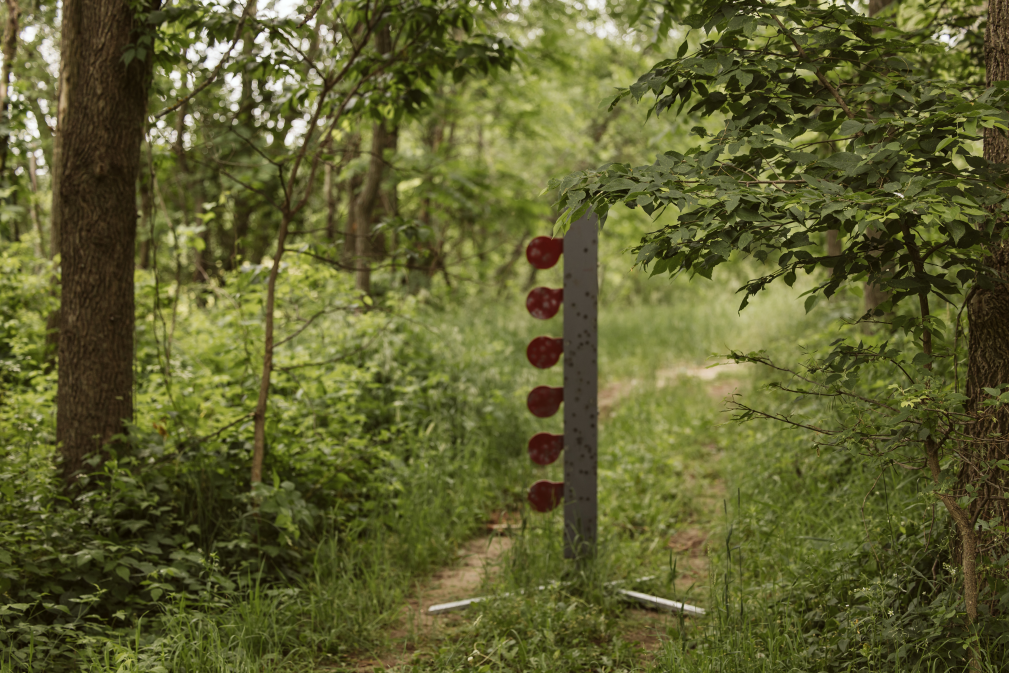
column 416, row 637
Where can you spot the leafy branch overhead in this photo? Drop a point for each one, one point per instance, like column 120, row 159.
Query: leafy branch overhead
column 830, row 123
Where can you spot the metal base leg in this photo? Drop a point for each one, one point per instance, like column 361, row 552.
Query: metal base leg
column 645, row 599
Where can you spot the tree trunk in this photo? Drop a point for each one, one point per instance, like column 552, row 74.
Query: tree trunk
column 259, row 417
column 243, row 207
column 988, row 359
column 190, row 191
column 55, row 213
column 33, row 207
column 101, row 134
column 364, row 207
column 10, row 48
column 873, row 295
column 329, row 191
column 352, row 187
column 146, row 218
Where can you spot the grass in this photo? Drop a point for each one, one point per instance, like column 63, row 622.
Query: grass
column 796, row 572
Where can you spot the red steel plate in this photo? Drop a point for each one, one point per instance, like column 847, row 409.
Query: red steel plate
column 544, row 401
column 544, row 351
column 543, row 303
column 543, row 251
column 545, row 495
column 545, row 448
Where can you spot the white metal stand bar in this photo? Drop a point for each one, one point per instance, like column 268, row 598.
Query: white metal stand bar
column 645, row 599
column 661, row 603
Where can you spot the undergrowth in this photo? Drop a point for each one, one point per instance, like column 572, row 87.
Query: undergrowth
column 395, row 429
column 391, row 438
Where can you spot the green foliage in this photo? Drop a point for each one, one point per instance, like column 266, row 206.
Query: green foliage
column 906, row 169
column 831, row 121
column 374, row 419
column 824, row 564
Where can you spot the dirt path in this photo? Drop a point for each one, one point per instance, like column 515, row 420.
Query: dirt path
column 477, row 559
column 480, row 558
column 723, row 378
column 649, row 628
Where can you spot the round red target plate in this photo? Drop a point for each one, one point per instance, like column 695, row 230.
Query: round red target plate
column 544, row 351
column 544, row 448
column 543, row 303
column 543, row 251
column 545, row 495
column 544, row 401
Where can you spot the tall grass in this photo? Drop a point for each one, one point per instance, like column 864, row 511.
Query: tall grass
column 796, row 572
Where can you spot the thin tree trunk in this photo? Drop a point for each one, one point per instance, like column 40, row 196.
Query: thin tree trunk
column 364, row 208
column 33, row 207
column 15, row 229
column 53, row 320
column 259, row 438
column 243, row 207
column 365, row 205
column 45, row 132
column 146, row 218
column 988, row 362
column 329, row 189
column 191, row 196
column 352, row 187
column 389, row 194
column 101, row 135
column 10, row 48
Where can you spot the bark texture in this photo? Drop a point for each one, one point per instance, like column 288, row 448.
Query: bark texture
column 364, row 207
column 352, row 187
column 243, row 205
column 33, row 207
column 55, row 213
column 101, row 131
column 382, row 138
column 988, row 360
column 10, row 49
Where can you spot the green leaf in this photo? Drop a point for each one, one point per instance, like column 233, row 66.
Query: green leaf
column 123, row 572
column 956, row 229
column 811, row 301
column 850, row 127
column 720, row 247
column 619, row 184
column 845, row 161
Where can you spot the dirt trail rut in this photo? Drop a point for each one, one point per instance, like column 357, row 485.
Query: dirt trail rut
column 476, row 559
column 481, row 557
column 723, row 378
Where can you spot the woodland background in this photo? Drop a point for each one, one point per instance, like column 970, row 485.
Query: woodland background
column 324, row 377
